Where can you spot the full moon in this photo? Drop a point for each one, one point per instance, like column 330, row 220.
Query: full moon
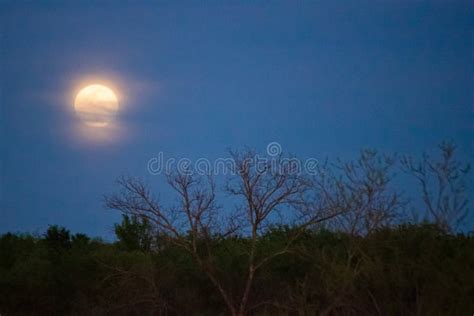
column 96, row 105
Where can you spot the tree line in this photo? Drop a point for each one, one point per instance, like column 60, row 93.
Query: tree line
column 342, row 242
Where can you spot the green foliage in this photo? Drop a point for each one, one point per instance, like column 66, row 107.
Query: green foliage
column 405, row 270
column 57, row 238
column 134, row 233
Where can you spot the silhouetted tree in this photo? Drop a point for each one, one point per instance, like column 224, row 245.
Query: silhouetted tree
column 329, row 244
column 362, row 191
column 58, row 238
column 134, row 233
column 197, row 226
column 443, row 185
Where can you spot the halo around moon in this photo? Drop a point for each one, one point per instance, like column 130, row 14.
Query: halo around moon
column 96, row 105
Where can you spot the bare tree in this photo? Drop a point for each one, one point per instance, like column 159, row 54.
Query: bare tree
column 185, row 224
column 265, row 188
column 268, row 193
column 361, row 190
column 443, row 185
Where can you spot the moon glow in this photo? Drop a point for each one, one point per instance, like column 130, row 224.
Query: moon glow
column 96, row 105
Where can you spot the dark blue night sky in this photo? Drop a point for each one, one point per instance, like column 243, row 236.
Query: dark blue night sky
column 322, row 79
